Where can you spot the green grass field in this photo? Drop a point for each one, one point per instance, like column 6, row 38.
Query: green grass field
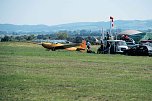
column 29, row 72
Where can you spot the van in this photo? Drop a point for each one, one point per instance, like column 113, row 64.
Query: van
column 117, row 46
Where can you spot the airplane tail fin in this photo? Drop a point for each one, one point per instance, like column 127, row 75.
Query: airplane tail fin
column 83, row 44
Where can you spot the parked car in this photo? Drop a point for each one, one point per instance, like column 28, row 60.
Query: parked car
column 131, row 44
column 114, row 46
column 117, row 46
column 142, row 50
column 146, row 42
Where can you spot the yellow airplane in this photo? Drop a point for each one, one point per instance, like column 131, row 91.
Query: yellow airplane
column 70, row 47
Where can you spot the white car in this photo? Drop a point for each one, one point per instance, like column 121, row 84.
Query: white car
column 117, row 46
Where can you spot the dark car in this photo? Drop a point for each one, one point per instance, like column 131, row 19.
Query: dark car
column 142, row 50
column 131, row 44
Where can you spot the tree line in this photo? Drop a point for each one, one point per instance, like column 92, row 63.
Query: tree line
column 77, row 38
column 67, row 35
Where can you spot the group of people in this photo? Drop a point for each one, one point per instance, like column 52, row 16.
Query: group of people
column 104, row 48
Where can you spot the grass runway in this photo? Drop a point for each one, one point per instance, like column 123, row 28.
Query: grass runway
column 30, row 73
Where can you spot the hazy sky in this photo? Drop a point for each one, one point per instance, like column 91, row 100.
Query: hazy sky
column 53, row 12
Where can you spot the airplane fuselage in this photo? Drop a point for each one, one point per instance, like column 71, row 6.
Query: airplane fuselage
column 70, row 47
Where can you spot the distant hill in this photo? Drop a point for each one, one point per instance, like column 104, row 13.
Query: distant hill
column 118, row 24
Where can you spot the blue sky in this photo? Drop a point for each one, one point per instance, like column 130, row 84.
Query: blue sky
column 53, row 12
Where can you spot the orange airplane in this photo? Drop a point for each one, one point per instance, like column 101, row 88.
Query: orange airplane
column 70, row 47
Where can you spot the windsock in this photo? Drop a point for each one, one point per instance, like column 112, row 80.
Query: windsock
column 112, row 22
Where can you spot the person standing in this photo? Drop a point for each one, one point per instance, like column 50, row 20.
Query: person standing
column 88, row 45
column 108, row 36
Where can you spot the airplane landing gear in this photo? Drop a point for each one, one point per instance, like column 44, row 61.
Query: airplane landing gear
column 53, row 49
